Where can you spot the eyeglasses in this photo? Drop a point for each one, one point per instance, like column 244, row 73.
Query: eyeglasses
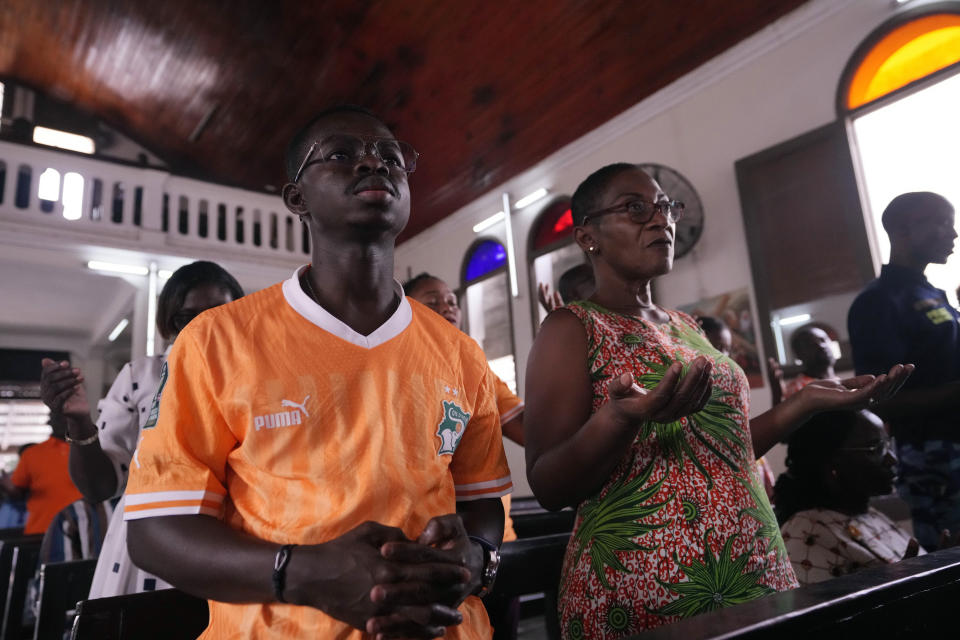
column 874, row 449
column 641, row 211
column 348, row 149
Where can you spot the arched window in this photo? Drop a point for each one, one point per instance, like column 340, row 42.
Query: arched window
column 551, row 251
column 898, row 55
column 901, row 93
column 485, row 299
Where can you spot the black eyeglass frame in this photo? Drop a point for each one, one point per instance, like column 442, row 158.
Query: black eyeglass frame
column 881, row 447
column 671, row 209
column 367, row 141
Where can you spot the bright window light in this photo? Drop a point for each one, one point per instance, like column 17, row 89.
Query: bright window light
column 790, row 320
column 49, row 185
column 117, row 330
column 63, row 140
column 112, row 267
column 164, row 274
column 529, row 199
column 72, row 196
column 911, row 145
column 489, row 222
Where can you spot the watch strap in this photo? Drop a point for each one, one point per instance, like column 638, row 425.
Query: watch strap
column 491, row 563
column 280, row 563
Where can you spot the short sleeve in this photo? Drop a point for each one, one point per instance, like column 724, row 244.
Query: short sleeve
column 812, row 548
column 876, row 334
column 118, row 424
column 479, row 465
column 509, row 406
column 21, row 475
column 179, row 467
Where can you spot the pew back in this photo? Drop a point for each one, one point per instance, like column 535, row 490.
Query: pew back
column 62, row 585
column 26, row 553
column 167, row 614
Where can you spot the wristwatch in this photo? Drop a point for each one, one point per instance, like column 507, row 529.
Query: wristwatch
column 491, row 562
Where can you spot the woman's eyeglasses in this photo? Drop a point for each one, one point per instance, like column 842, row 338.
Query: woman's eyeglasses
column 874, row 449
column 349, row 149
column 641, row 211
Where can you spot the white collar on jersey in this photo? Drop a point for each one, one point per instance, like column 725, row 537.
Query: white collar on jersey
column 303, row 304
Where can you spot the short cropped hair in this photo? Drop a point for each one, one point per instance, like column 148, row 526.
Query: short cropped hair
column 586, row 198
column 809, row 448
column 897, row 212
column 709, row 324
column 411, row 285
column 569, row 279
column 184, row 279
column 300, row 142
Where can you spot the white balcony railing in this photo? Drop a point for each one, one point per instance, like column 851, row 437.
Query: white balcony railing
column 145, row 209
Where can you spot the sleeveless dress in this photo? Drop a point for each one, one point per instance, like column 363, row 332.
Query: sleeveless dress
column 683, row 525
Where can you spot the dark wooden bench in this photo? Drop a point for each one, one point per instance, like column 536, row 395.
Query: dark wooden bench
column 62, row 586
column 7, row 546
column 910, row 599
column 25, row 553
column 531, row 566
column 167, row 614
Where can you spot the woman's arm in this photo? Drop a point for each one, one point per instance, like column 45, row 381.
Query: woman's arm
column 860, row 392
column 91, row 469
column 571, row 453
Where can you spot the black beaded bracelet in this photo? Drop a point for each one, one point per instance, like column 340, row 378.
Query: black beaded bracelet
column 280, row 570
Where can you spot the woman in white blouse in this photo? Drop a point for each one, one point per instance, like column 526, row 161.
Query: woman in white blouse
column 100, row 453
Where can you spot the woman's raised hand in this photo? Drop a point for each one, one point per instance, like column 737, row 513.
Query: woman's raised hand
column 860, row 392
column 675, row 396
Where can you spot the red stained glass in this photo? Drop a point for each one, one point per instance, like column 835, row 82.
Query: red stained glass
column 554, row 225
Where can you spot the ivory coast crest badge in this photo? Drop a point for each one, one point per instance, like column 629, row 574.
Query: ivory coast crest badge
column 451, row 427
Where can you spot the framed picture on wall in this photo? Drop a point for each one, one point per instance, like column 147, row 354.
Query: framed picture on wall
column 733, row 308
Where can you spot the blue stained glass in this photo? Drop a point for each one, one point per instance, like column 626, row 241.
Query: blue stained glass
column 487, row 257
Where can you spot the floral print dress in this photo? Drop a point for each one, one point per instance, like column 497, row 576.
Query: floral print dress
column 683, row 525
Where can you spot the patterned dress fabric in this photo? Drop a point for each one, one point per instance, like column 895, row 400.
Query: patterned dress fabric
column 683, row 525
column 825, row 544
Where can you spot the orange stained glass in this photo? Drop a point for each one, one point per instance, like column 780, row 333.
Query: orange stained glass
column 910, row 52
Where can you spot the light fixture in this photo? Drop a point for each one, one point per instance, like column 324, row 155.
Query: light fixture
column 489, row 222
column 63, row 140
column 112, row 267
column 790, row 320
column 117, row 330
column 530, row 198
column 164, row 274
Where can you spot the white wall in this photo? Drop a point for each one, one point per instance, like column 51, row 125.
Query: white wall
column 778, row 84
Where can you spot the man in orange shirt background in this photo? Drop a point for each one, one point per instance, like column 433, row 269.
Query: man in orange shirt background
column 43, row 476
column 325, row 458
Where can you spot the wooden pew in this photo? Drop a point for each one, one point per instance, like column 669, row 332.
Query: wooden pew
column 62, row 585
column 23, row 565
column 6, row 563
column 167, row 614
column 911, row 599
column 532, row 566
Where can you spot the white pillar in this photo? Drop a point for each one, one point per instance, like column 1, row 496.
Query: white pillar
column 138, row 343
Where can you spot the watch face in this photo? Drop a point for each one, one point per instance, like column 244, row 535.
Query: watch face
column 677, row 187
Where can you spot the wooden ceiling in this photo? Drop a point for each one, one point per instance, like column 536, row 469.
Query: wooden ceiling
column 484, row 89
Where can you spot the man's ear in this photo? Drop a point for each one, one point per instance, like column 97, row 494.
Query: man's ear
column 294, row 200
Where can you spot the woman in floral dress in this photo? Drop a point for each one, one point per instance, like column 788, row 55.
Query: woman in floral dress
column 634, row 418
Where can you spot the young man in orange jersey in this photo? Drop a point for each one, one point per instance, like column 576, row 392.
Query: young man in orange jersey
column 327, row 455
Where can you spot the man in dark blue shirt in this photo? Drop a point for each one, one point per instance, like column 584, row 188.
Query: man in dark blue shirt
column 901, row 317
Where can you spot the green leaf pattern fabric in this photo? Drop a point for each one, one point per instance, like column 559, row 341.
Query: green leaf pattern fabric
column 683, row 525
